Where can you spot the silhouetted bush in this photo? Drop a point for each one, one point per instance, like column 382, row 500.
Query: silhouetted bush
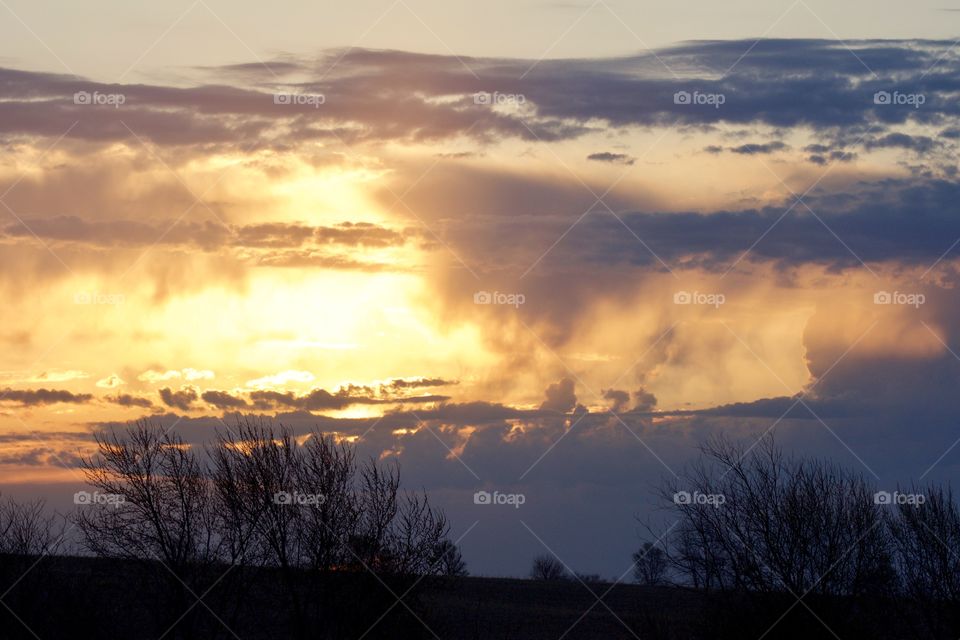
column 548, row 568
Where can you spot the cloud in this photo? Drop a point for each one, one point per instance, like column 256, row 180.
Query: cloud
column 127, row 400
column 618, row 399
column 280, row 379
column 152, row 376
column 920, row 144
column 560, row 397
column 223, row 400
column 905, row 221
column 179, row 399
column 52, row 375
column 398, row 384
column 110, row 382
column 756, row 148
column 393, row 95
column 207, row 236
column 644, row 400
column 823, row 154
column 323, row 400
column 606, row 156
column 392, row 392
column 41, row 456
column 38, row 397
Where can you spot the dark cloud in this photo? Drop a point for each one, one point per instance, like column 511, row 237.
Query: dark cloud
column 389, row 95
column 223, row 400
column 37, row 397
column 890, row 220
column 832, row 156
column 274, row 235
column 128, row 400
column 323, row 400
column 755, row 148
column 606, row 156
column 179, row 399
column 618, row 399
column 560, row 397
column 43, row 456
column 319, row 259
column 416, row 383
column 920, row 144
column 206, row 235
column 643, row 400
column 362, row 234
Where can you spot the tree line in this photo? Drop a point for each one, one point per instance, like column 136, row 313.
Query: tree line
column 762, row 544
column 298, row 528
column 762, row 534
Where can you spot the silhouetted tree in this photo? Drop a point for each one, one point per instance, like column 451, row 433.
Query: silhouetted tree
column 650, row 565
column 158, row 508
column 308, row 509
column 926, row 541
column 26, row 529
column 760, row 523
column 546, row 567
column 450, row 562
column 28, row 534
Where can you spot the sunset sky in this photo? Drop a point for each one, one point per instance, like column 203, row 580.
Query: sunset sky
column 529, row 247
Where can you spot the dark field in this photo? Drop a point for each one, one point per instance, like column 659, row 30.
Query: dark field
column 67, row 597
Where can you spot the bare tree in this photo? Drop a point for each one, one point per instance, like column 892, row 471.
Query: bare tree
column 306, row 508
column 765, row 522
column 418, row 537
column 255, row 473
column 450, row 561
column 328, row 471
column 29, row 535
column 546, row 567
column 153, row 502
column 759, row 523
column 926, row 541
column 27, row 529
column 650, row 565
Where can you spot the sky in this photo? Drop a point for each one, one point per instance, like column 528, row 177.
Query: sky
column 534, row 248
